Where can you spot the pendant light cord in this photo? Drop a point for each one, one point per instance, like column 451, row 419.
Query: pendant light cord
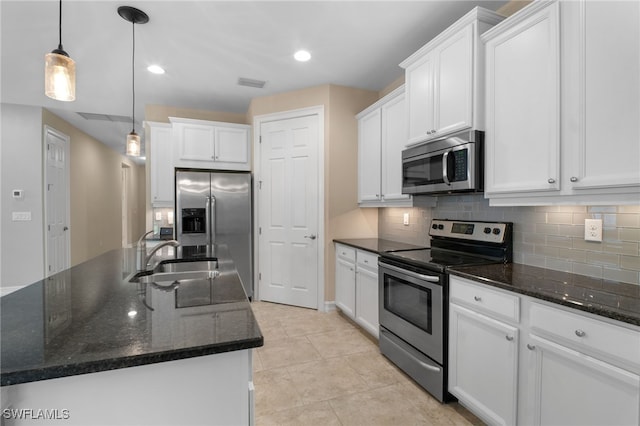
column 133, row 77
column 60, row 27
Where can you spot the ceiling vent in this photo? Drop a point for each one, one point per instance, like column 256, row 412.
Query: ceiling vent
column 258, row 84
column 105, row 117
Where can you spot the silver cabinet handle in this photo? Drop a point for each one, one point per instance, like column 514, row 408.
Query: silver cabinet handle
column 509, row 338
column 477, row 298
column 551, row 180
column 433, row 131
column 531, row 347
column 580, row 333
column 311, row 237
column 573, row 179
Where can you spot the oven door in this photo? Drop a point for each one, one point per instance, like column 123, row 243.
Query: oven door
column 411, row 307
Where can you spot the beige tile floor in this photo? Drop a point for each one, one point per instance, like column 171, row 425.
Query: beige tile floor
column 320, row 368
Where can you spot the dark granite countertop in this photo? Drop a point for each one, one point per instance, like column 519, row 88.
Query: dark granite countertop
column 90, row 318
column 376, row 245
column 609, row 299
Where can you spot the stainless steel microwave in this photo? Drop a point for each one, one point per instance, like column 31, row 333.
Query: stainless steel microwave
column 452, row 164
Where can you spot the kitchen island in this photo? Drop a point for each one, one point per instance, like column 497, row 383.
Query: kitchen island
column 88, row 346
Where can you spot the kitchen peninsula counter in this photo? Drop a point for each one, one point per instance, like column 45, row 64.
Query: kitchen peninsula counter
column 89, row 327
column 611, row 299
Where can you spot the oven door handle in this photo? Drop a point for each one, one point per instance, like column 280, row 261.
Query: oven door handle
column 423, row 277
column 422, row 363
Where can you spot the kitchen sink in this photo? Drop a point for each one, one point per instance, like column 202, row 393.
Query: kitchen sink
column 176, row 276
column 200, row 265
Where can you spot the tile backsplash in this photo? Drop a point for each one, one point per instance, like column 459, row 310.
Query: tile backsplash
column 546, row 236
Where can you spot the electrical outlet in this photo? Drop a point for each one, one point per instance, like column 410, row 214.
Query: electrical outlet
column 593, row 229
column 405, row 219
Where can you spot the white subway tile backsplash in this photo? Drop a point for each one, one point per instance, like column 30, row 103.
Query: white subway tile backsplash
column 546, row 236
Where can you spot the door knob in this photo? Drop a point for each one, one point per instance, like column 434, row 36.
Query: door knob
column 66, row 228
column 311, row 237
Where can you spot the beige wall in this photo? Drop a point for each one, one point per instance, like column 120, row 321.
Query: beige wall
column 161, row 114
column 342, row 216
column 95, row 187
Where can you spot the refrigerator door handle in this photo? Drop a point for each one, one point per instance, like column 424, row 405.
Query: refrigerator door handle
column 212, row 220
column 207, row 218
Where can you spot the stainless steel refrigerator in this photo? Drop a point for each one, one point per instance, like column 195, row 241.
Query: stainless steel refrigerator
column 214, row 207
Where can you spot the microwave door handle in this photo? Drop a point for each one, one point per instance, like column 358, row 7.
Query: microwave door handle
column 445, row 168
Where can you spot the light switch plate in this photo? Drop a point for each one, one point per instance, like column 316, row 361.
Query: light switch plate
column 593, row 229
column 20, row 216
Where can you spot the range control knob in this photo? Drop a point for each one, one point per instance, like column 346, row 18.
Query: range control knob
column 434, row 226
column 496, row 231
column 487, row 230
column 441, row 226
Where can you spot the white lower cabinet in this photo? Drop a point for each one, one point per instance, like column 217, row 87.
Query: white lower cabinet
column 357, row 286
column 568, row 387
column 483, row 354
column 536, row 363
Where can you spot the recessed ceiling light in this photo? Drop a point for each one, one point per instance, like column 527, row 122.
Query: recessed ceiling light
column 302, row 56
column 156, row 69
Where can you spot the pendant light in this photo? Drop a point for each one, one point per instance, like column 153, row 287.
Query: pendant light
column 59, row 71
column 135, row 16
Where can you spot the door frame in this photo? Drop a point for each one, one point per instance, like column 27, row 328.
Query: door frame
column 67, row 150
column 258, row 120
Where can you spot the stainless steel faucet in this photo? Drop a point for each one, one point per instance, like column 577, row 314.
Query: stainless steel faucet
column 153, row 251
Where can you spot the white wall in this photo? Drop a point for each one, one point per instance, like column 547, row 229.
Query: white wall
column 22, row 248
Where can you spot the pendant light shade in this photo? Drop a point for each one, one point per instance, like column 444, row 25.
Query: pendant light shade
column 59, row 71
column 135, row 16
column 133, row 144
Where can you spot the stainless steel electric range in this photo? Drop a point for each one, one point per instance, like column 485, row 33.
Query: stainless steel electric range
column 414, row 295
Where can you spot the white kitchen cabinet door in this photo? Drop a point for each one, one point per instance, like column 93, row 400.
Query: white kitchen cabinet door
column 453, row 87
column 570, row 388
column 161, row 164
column 483, row 365
column 523, row 101
column 419, row 79
column 394, row 140
column 231, row 144
column 369, row 145
column 346, row 286
column 607, row 152
column 367, row 300
column 195, row 141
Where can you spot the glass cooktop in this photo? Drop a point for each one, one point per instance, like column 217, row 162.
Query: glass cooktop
column 436, row 259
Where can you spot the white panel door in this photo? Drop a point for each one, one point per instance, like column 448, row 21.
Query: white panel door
column 419, row 84
column 609, row 149
column 288, row 219
column 346, row 287
column 454, row 83
column 369, row 141
column 394, row 140
column 571, row 388
column 57, row 202
column 367, row 300
column 522, row 128
column 231, row 145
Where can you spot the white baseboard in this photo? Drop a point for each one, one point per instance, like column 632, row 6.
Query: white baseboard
column 329, row 306
column 6, row 290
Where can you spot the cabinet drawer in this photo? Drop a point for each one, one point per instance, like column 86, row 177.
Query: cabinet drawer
column 367, row 259
column 494, row 302
column 346, row 252
column 589, row 334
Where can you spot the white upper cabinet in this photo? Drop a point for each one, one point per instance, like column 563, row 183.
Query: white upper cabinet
column 523, row 100
column 382, row 135
column 563, row 105
column 443, row 78
column 607, row 152
column 211, row 144
column 160, row 156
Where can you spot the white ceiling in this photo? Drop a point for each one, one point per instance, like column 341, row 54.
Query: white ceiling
column 205, row 46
